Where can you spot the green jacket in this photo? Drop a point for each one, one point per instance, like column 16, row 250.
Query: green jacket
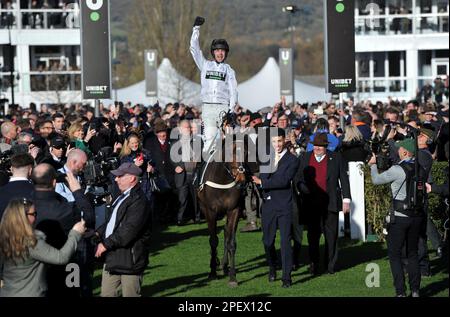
column 81, row 145
column 27, row 277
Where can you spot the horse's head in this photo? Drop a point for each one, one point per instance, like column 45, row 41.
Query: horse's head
column 236, row 165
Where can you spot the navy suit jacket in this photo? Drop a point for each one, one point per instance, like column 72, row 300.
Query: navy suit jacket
column 276, row 186
column 18, row 189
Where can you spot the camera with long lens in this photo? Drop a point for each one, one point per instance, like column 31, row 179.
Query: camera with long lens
column 97, row 170
column 380, row 147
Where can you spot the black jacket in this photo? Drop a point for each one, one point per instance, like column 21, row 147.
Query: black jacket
column 354, row 151
column 18, row 189
column 128, row 245
column 336, row 171
column 56, row 216
column 161, row 159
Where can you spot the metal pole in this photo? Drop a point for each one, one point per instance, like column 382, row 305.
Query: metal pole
column 341, row 106
column 291, row 20
column 115, row 83
column 97, row 108
column 11, row 57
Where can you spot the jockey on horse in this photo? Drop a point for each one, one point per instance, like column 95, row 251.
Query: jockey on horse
column 219, row 88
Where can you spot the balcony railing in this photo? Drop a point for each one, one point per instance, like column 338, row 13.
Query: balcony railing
column 389, row 84
column 382, row 84
column 402, row 24
column 40, row 18
column 44, row 81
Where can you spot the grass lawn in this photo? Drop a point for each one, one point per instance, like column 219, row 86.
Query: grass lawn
column 179, row 267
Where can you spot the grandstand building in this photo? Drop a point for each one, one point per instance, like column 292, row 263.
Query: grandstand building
column 41, row 39
column 401, row 45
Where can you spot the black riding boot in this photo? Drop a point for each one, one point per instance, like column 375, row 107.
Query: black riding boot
column 198, row 174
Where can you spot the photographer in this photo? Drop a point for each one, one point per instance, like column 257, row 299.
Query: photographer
column 405, row 218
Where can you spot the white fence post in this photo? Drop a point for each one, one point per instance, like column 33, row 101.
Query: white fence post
column 358, row 214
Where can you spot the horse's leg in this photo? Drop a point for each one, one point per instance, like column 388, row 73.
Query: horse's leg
column 213, row 242
column 233, row 217
column 226, row 236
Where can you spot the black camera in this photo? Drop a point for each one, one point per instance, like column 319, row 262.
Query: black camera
column 380, row 147
column 96, row 172
column 61, row 177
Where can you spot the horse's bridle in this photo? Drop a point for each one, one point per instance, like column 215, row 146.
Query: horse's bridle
column 240, row 169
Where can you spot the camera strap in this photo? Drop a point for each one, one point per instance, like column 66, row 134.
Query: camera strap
column 392, row 213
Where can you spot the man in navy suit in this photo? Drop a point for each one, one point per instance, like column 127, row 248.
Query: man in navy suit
column 277, row 207
column 19, row 185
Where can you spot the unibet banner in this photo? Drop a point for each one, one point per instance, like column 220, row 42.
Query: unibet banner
column 339, row 45
column 151, row 73
column 95, row 49
column 286, row 71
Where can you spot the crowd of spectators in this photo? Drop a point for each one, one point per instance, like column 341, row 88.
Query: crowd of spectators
column 65, row 138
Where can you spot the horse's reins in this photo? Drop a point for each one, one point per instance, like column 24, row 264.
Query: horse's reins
column 241, row 168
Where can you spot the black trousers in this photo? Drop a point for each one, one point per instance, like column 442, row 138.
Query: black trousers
column 165, row 206
column 404, row 231
column 327, row 222
column 184, row 192
column 271, row 220
column 428, row 230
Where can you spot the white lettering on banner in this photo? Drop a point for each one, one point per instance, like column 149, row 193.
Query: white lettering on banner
column 94, row 5
column 347, row 81
column 96, row 88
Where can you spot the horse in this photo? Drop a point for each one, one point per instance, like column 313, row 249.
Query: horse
column 221, row 195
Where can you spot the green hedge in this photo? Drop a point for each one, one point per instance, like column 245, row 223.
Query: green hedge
column 378, row 199
column 377, row 202
column 436, row 203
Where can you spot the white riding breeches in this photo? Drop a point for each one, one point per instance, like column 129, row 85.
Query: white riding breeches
column 212, row 115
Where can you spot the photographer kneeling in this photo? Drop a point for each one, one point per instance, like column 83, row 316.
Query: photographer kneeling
column 405, row 218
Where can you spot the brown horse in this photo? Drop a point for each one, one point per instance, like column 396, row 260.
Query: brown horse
column 221, row 196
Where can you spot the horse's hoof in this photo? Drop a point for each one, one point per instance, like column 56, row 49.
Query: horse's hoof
column 233, row 284
column 212, row 276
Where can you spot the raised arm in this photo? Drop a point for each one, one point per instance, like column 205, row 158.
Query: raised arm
column 195, row 44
